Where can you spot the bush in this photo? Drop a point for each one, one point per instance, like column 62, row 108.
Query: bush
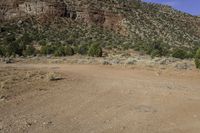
column 2, row 51
column 60, row 51
column 47, row 50
column 154, row 48
column 95, row 50
column 83, row 49
column 26, row 39
column 30, row 50
column 69, row 51
column 57, row 50
column 159, row 48
column 179, row 53
column 63, row 51
column 197, row 59
column 42, row 43
column 13, row 49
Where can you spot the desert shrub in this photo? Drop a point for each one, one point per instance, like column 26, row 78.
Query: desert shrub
column 83, row 49
column 30, row 50
column 60, row 51
column 47, row 50
column 10, row 38
column 63, row 51
column 57, row 50
column 191, row 54
column 154, row 48
column 2, row 51
column 126, row 45
column 95, row 50
column 197, row 59
column 159, row 49
column 13, row 49
column 69, row 50
column 179, row 53
column 53, row 76
column 42, row 42
column 26, row 39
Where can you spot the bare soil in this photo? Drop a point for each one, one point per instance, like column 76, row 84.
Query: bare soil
column 98, row 99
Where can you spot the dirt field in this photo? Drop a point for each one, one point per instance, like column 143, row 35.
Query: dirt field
column 98, row 99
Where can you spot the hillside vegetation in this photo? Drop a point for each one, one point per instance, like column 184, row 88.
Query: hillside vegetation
column 68, row 27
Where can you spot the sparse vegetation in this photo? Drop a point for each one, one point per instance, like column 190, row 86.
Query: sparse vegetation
column 30, row 50
column 68, row 50
column 47, row 50
column 52, row 76
column 197, row 59
column 180, row 53
column 2, row 51
column 95, row 50
column 83, row 49
column 154, row 48
column 153, row 34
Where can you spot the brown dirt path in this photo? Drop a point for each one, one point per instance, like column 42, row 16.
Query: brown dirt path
column 104, row 99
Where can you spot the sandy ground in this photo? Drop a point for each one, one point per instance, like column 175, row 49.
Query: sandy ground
column 98, row 99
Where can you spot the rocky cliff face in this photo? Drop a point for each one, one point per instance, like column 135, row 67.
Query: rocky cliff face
column 59, row 8
column 35, row 8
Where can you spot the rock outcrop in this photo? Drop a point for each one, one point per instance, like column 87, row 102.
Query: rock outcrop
column 58, row 8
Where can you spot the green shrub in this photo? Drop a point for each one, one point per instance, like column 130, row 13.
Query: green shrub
column 69, row 51
column 64, row 51
column 60, row 51
column 26, row 39
column 191, row 54
column 30, row 50
column 156, row 48
column 179, row 53
column 95, row 50
column 14, row 49
column 42, row 43
column 57, row 50
column 47, row 50
column 83, row 49
column 197, row 59
column 10, row 38
column 2, row 51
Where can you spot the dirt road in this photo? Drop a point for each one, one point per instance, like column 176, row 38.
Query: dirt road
column 99, row 99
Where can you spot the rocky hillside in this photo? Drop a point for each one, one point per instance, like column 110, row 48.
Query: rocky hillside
column 114, row 24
